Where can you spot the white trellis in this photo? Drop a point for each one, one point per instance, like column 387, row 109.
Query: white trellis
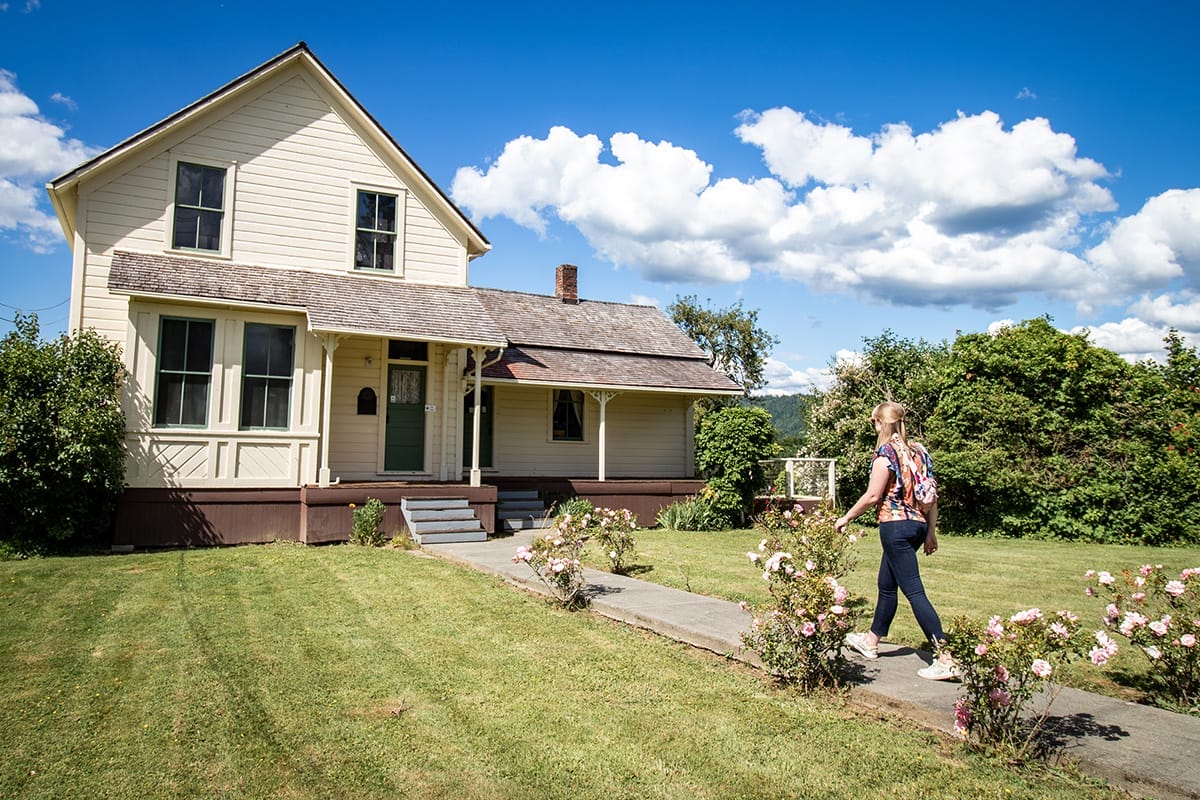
column 801, row 478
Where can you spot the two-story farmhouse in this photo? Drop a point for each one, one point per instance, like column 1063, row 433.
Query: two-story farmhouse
column 291, row 294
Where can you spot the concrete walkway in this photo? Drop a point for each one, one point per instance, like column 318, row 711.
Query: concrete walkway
column 1145, row 750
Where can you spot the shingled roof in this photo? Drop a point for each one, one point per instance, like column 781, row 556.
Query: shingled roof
column 334, row 302
column 546, row 341
column 592, row 343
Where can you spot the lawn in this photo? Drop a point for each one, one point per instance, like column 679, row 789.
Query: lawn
column 285, row 671
column 967, row 576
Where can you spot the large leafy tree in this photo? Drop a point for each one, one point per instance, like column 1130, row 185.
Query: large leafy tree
column 889, row 368
column 1034, row 432
column 1024, row 432
column 736, row 345
column 61, row 436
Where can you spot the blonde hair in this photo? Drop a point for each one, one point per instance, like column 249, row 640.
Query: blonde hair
column 891, row 418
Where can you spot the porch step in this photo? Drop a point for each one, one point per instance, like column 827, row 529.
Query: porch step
column 521, row 511
column 441, row 520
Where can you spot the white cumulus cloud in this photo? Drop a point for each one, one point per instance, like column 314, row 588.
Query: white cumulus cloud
column 32, row 150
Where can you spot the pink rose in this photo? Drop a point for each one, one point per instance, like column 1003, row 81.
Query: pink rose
column 1187, row 640
column 1175, row 588
column 1040, row 667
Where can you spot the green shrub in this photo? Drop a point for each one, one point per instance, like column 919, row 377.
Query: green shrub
column 368, row 523
column 730, row 443
column 62, row 455
column 574, row 506
column 693, row 514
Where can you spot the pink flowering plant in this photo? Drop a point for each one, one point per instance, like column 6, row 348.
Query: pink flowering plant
column 1158, row 614
column 554, row 557
column 798, row 633
column 1004, row 664
column 612, row 529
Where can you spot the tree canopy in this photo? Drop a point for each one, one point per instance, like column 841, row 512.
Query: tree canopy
column 1035, row 432
column 736, row 345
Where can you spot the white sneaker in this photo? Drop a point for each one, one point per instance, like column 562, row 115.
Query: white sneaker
column 940, row 671
column 858, row 642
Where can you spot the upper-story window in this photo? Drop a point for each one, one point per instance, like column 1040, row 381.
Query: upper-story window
column 184, row 372
column 375, row 231
column 267, row 376
column 199, row 207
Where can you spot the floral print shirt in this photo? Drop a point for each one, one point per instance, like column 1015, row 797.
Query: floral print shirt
column 898, row 503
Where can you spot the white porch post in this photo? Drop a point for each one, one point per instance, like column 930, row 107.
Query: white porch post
column 330, row 340
column 476, row 474
column 602, row 398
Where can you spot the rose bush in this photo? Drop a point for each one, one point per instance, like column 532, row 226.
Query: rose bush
column 1003, row 666
column 613, row 528
column 798, row 634
column 554, row 557
column 1160, row 616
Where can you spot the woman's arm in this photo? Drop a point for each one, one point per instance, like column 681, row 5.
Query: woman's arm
column 931, row 536
column 875, row 490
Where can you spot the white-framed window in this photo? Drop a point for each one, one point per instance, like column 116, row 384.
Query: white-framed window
column 378, row 229
column 566, row 423
column 268, row 359
column 201, row 199
column 183, row 374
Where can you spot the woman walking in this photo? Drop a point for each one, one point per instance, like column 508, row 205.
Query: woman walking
column 904, row 527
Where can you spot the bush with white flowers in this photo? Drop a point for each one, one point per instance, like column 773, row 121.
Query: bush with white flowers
column 798, row 634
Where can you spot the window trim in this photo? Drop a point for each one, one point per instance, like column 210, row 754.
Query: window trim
column 158, row 371
column 230, row 167
column 554, row 393
column 401, row 196
column 245, row 373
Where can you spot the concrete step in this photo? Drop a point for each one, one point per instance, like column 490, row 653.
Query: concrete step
column 517, row 495
column 526, row 524
column 421, row 515
column 451, row 537
column 522, row 505
column 416, row 503
column 440, row 526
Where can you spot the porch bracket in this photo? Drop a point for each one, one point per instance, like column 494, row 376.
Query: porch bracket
column 602, row 397
column 330, row 342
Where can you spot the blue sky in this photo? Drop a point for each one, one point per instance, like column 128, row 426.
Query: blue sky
column 840, row 170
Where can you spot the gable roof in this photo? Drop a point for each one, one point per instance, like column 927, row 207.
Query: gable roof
column 62, row 189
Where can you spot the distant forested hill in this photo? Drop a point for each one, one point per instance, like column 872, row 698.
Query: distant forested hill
column 787, row 414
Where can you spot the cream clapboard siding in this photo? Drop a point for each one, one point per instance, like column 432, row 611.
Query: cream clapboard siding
column 646, row 436
column 219, row 454
column 297, row 165
column 357, row 440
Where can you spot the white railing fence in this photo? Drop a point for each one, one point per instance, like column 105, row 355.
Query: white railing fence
column 808, row 478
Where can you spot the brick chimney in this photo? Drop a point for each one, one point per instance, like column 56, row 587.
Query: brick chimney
column 566, row 283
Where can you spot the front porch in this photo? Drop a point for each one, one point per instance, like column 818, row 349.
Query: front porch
column 174, row 517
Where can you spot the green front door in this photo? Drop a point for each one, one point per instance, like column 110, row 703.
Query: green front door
column 404, row 447
column 485, row 427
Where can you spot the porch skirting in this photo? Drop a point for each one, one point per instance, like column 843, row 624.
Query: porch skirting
column 314, row 515
column 309, row 514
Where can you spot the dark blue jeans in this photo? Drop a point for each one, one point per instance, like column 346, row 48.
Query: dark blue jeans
column 898, row 569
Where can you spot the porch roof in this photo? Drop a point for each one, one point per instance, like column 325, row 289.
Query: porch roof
column 546, row 321
column 593, row 369
column 334, row 302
